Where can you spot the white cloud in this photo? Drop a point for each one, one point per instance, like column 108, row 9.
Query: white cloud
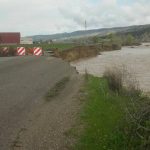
column 53, row 16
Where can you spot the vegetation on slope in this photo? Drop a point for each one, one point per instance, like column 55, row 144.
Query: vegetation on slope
column 136, row 31
column 116, row 39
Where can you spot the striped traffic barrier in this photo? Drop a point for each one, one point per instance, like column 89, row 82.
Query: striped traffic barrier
column 37, row 51
column 21, row 51
column 5, row 51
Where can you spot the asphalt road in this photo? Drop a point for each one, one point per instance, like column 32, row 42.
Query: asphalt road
column 27, row 121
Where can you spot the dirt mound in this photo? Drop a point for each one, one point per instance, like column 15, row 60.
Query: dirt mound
column 77, row 53
column 85, row 51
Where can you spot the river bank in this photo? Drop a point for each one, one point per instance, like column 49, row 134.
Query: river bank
column 85, row 51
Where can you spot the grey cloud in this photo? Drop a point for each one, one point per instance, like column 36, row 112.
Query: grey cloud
column 52, row 16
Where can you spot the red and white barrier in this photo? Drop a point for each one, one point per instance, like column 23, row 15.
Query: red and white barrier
column 21, row 51
column 37, row 51
column 5, row 50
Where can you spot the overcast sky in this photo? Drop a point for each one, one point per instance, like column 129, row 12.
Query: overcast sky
column 32, row 17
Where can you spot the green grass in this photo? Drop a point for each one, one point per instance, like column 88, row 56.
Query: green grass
column 102, row 117
column 62, row 46
column 107, row 125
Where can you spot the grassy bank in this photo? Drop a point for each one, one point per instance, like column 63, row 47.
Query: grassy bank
column 107, row 123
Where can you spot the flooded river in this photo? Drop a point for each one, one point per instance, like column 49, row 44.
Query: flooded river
column 136, row 59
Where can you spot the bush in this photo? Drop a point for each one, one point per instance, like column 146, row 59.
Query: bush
column 121, row 80
column 115, row 79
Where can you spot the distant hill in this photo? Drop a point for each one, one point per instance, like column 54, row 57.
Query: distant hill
column 137, row 30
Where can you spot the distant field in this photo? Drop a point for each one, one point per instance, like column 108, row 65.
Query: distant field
column 59, row 46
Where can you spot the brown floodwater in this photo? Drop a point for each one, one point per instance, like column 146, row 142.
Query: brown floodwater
column 135, row 59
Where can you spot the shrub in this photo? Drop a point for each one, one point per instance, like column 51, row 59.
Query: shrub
column 121, row 80
column 114, row 77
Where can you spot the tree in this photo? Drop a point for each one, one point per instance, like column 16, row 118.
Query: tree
column 95, row 39
column 130, row 40
column 115, row 39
